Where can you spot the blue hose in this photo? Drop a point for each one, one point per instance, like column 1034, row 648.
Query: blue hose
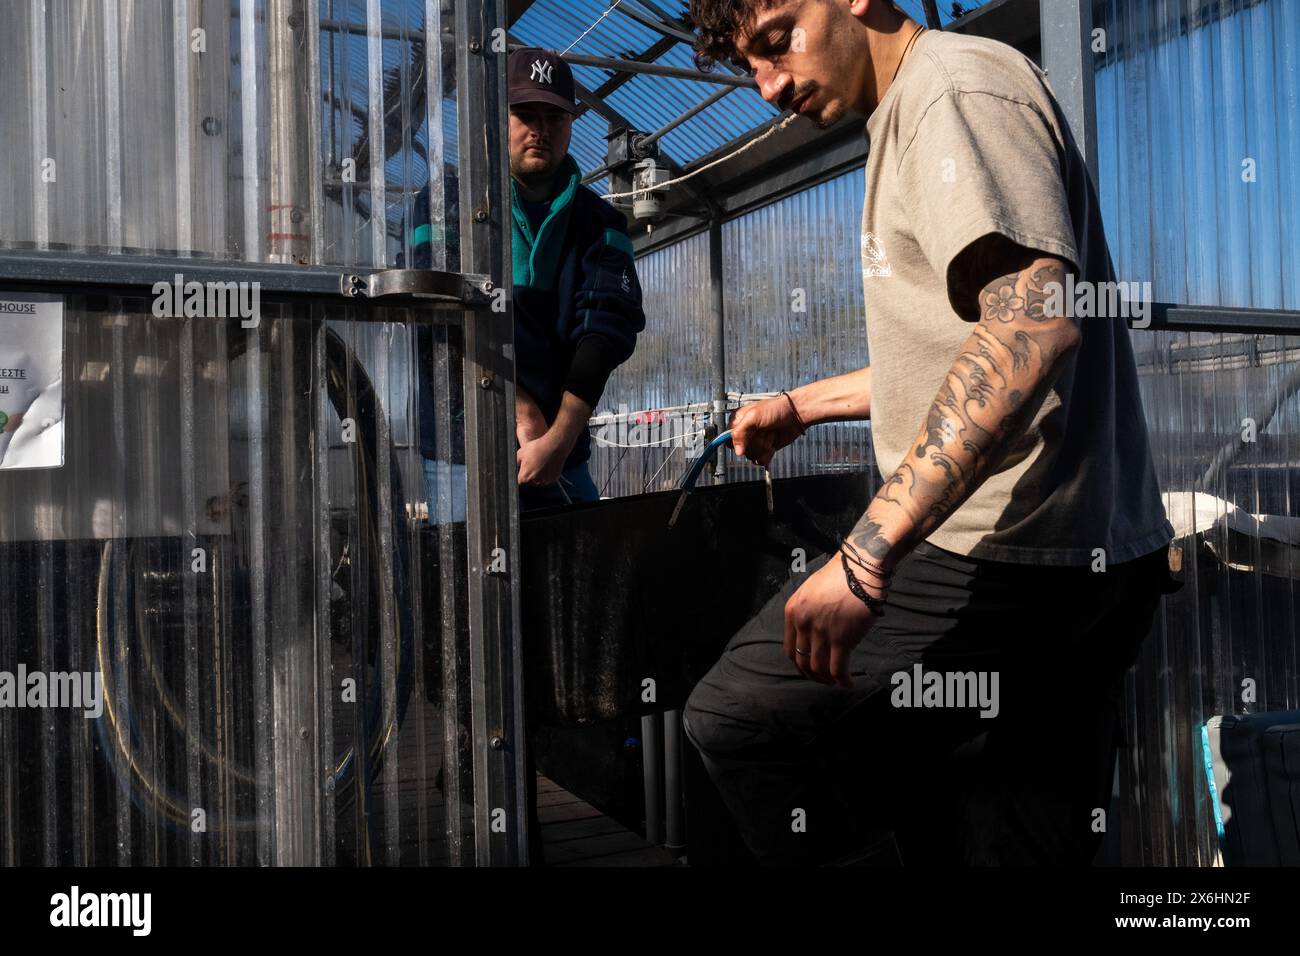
column 706, row 456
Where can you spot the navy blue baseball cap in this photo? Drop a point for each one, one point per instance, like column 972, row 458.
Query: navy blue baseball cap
column 540, row 76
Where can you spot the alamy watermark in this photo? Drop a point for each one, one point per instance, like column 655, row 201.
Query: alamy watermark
column 956, row 689
column 70, row 690
column 1099, row 300
column 78, row 909
column 209, row 300
column 648, row 428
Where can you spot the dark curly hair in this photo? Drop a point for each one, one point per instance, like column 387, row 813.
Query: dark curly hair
column 717, row 22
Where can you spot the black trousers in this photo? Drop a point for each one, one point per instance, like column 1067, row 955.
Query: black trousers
column 812, row 773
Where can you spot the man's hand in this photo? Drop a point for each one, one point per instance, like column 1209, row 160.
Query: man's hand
column 824, row 622
column 541, row 461
column 761, row 429
column 530, row 423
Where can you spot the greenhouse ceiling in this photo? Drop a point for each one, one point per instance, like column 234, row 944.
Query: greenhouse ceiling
column 696, row 118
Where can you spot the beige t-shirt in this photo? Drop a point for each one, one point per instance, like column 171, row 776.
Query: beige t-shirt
column 969, row 141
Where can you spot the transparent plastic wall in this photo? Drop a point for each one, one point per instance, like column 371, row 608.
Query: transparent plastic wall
column 670, row 368
column 296, row 131
column 792, row 285
column 1198, row 134
column 235, row 556
column 1236, row 617
column 1198, row 131
column 277, row 630
column 792, row 277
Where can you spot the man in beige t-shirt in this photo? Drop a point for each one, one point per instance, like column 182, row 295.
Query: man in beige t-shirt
column 1011, row 563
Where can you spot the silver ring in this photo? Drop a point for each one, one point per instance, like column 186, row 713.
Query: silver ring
column 800, row 650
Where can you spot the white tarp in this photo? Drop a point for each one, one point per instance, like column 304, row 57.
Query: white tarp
column 1193, row 512
column 1277, row 537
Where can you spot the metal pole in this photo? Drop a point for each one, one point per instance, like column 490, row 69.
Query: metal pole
column 719, row 365
column 693, row 111
column 496, row 682
column 673, row 779
column 292, row 646
column 658, row 69
column 652, row 774
column 1068, row 59
column 618, row 65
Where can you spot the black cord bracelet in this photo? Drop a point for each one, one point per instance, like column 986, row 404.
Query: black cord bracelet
column 852, row 554
column 802, row 427
column 876, row 605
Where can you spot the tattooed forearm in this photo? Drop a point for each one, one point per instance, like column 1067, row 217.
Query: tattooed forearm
column 989, row 395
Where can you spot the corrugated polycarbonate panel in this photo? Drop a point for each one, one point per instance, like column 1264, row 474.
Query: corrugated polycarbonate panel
column 671, row 367
column 795, row 313
column 235, row 550
column 1198, row 115
column 1198, row 128
column 135, row 132
column 260, row 641
column 1224, row 419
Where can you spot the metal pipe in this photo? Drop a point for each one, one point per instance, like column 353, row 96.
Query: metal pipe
column 673, row 779
column 719, row 364
column 653, row 69
column 695, row 110
column 1067, row 59
column 652, row 774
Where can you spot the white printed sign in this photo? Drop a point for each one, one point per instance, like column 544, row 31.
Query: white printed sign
column 31, row 381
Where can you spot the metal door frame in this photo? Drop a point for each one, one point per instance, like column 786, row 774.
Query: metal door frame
column 476, row 298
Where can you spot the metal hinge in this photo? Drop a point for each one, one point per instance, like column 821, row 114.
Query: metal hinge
column 442, row 290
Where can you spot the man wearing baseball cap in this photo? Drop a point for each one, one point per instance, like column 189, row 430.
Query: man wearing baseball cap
column 576, row 293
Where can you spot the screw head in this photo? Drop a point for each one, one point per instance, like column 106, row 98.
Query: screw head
column 485, row 382
column 475, row 46
column 497, row 743
column 480, row 215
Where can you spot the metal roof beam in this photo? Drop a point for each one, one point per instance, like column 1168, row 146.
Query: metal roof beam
column 686, row 28
column 658, row 26
column 597, row 105
column 516, row 9
column 695, row 110
column 620, row 65
column 658, row 49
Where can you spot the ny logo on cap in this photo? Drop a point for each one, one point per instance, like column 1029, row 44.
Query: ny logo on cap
column 542, row 71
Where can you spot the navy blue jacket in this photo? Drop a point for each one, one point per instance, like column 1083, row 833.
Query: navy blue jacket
column 575, row 290
column 574, row 284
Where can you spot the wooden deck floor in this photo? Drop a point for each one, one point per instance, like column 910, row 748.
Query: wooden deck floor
column 575, row 833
